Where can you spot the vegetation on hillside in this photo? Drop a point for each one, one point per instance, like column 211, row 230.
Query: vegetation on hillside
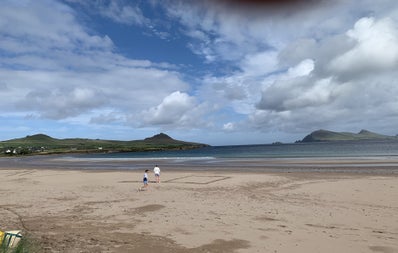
column 325, row 135
column 44, row 144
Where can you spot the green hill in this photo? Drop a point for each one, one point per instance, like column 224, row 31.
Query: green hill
column 44, row 144
column 325, row 135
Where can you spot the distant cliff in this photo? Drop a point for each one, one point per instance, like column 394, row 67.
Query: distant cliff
column 325, row 135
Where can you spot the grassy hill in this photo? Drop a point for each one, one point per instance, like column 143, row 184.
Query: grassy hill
column 44, row 144
column 325, row 135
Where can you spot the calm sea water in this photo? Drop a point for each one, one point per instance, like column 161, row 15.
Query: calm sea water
column 299, row 150
column 379, row 157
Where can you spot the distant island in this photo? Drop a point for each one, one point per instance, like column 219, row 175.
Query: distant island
column 44, row 144
column 328, row 136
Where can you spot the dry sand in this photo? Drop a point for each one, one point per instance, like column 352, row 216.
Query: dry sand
column 199, row 211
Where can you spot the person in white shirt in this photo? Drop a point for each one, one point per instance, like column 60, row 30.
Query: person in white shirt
column 156, row 170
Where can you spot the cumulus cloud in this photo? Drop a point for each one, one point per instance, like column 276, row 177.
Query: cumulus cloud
column 228, row 35
column 260, row 64
column 347, row 90
column 298, row 93
column 375, row 48
column 177, row 109
column 62, row 103
column 54, row 68
column 331, row 65
column 285, row 72
column 63, row 94
column 304, row 68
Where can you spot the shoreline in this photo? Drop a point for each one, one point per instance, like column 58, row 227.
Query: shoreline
column 345, row 165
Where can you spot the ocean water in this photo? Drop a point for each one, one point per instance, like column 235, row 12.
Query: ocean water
column 296, row 150
column 373, row 157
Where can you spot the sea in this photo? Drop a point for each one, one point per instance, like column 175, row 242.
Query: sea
column 357, row 156
column 296, row 150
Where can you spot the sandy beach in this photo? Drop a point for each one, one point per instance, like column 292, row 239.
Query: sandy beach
column 201, row 211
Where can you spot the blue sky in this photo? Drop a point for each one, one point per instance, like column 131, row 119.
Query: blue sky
column 205, row 71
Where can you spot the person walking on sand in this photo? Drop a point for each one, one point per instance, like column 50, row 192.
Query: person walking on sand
column 145, row 181
column 156, row 170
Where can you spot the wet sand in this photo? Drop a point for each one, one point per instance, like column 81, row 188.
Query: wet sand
column 201, row 210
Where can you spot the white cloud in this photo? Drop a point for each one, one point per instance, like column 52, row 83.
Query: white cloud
column 62, row 103
column 260, row 64
column 375, row 49
column 177, row 109
column 219, row 35
column 304, row 68
column 325, row 66
column 348, row 91
column 54, row 68
column 118, row 11
column 235, row 93
column 23, row 28
column 229, row 126
column 123, row 13
column 108, row 117
column 290, row 95
column 63, row 94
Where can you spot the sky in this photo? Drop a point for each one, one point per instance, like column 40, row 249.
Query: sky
column 215, row 72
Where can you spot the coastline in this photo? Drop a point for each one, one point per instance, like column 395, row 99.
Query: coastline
column 73, row 209
column 371, row 165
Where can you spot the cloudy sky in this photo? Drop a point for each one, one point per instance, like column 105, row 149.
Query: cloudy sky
column 216, row 72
